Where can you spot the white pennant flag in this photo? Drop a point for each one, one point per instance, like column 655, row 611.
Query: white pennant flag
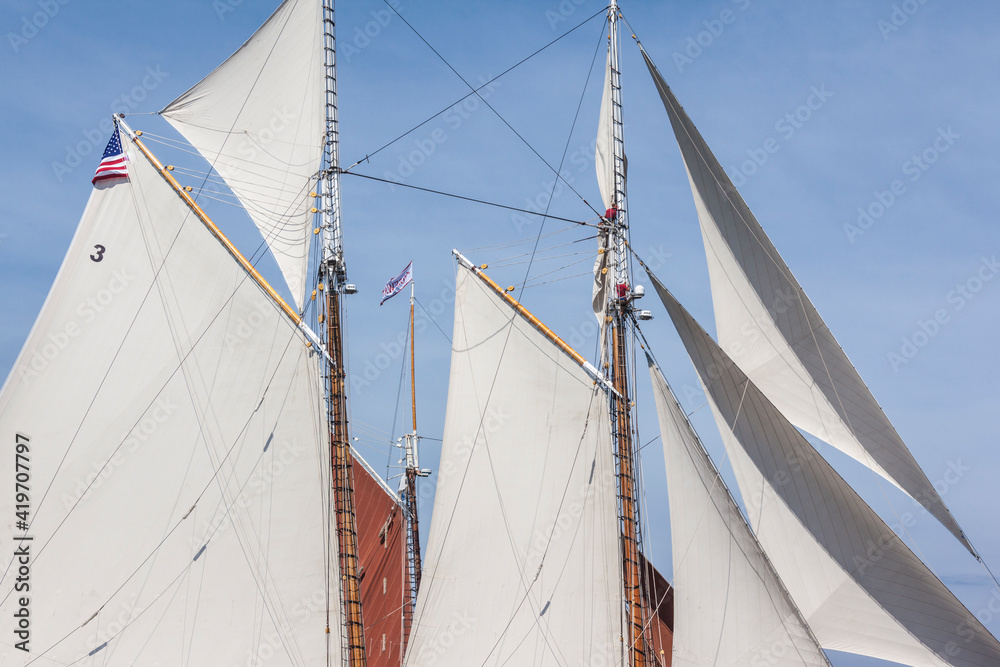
column 396, row 285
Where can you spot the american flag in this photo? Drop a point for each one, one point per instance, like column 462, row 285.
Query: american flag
column 113, row 163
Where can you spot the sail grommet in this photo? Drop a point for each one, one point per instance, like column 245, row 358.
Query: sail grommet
column 604, row 271
column 314, row 210
column 313, row 195
column 170, row 167
column 188, row 188
column 316, row 231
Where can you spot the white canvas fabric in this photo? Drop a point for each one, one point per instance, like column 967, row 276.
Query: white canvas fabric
column 768, row 325
column 729, row 606
column 522, row 564
column 259, row 120
column 604, row 155
column 178, row 466
column 859, row 587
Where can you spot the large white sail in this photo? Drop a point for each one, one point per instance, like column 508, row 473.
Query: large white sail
column 729, row 605
column 522, row 562
column 859, row 587
column 175, row 458
column 259, row 120
column 604, row 151
column 768, row 325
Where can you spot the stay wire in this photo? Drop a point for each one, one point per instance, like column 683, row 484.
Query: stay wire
column 471, row 199
column 497, row 113
column 475, row 91
column 562, row 161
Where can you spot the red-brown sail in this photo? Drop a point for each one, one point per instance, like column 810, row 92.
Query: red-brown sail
column 382, row 554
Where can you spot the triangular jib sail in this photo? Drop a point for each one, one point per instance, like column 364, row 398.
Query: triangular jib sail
column 769, row 326
column 730, row 608
column 858, row 586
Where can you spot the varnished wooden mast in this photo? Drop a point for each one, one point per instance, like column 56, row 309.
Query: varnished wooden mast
column 343, row 486
column 619, row 316
column 333, row 276
column 412, row 472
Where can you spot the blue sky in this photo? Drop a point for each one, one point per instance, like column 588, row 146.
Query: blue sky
column 903, row 93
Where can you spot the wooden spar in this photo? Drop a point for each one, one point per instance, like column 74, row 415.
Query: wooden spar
column 413, row 364
column 217, row 233
column 535, row 322
column 412, row 472
column 343, row 486
column 620, row 313
column 627, row 494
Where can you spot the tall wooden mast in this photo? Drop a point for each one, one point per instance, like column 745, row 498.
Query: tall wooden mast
column 333, row 280
column 412, row 472
column 620, row 314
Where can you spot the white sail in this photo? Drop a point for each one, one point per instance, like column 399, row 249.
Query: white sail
column 768, row 325
column 175, row 455
column 522, row 564
column 604, row 153
column 259, row 120
column 858, row 586
column 729, row 605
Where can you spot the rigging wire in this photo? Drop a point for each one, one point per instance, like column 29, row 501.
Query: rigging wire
column 510, row 244
column 471, row 199
column 431, row 318
column 399, row 393
column 557, row 172
column 480, row 429
column 562, row 160
column 475, row 91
